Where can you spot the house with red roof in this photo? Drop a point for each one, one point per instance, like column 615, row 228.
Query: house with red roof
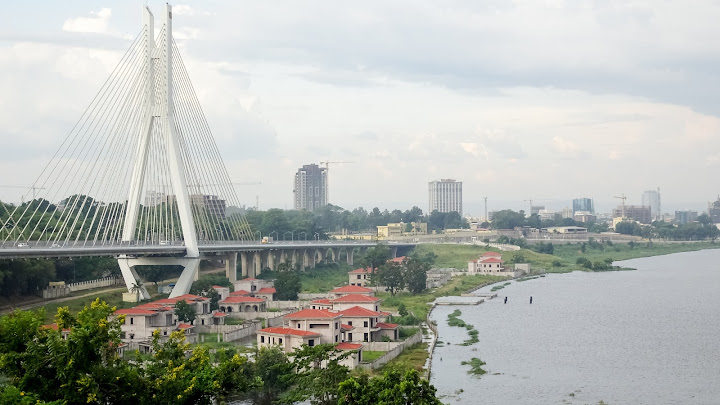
column 242, row 304
column 224, row 292
column 360, row 277
column 367, row 325
column 321, row 303
column 326, row 323
column 490, row 263
column 252, row 285
column 353, row 300
column 287, row 339
column 267, row 293
column 143, row 320
column 352, row 289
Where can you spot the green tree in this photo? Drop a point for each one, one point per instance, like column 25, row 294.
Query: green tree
column 319, row 374
column 375, row 257
column 185, row 312
column 287, row 286
column 391, row 388
column 416, row 274
column 390, row 275
column 402, row 310
column 274, row 372
column 507, row 219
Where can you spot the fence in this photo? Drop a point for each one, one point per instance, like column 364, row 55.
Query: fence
column 398, row 348
column 230, row 332
column 56, row 290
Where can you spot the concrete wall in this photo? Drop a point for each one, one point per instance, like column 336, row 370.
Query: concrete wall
column 62, row 291
column 392, row 353
column 231, row 332
column 296, row 305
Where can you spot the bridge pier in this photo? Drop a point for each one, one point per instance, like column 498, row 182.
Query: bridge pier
column 182, row 286
column 350, row 252
column 393, row 251
column 294, row 258
column 231, row 266
column 257, row 268
column 245, row 263
column 271, row 260
column 308, row 258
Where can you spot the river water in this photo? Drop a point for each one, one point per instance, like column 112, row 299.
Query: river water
column 649, row 336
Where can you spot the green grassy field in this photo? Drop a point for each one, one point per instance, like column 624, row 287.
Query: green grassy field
column 413, row 358
column 369, row 356
column 325, row 277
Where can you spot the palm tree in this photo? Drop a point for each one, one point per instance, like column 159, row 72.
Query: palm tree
column 136, row 288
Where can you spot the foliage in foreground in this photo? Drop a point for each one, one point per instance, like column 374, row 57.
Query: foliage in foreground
column 40, row 367
column 391, row 388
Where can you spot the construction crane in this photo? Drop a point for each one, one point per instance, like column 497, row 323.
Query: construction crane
column 32, row 187
column 531, row 205
column 623, row 198
column 327, row 177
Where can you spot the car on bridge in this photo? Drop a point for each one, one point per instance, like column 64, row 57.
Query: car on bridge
column 23, row 245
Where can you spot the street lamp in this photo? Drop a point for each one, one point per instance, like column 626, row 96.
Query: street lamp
column 291, row 235
column 317, row 236
column 304, row 234
column 276, row 234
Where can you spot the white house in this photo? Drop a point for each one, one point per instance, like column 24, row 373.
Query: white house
column 351, row 289
column 252, row 285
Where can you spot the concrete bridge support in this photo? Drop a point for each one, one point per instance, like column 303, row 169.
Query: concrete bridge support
column 231, row 266
column 393, row 252
column 257, row 264
column 334, row 254
column 350, row 253
column 245, row 258
column 294, row 258
column 309, row 258
column 271, row 260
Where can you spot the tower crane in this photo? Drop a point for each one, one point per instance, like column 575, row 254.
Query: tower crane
column 327, row 177
column 32, row 187
column 531, row 205
column 623, row 198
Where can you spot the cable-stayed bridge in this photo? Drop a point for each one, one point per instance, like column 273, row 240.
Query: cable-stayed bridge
column 141, row 178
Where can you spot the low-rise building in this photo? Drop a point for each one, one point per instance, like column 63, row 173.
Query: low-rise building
column 224, row 292
column 352, row 300
column 326, row 323
column 242, row 304
column 321, row 303
column 490, row 263
column 352, row 289
column 360, row 277
column 252, row 285
column 288, row 339
column 266, row 293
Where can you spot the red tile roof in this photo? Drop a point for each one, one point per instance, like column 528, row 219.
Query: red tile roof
column 239, row 293
column 493, row 254
column 348, row 327
column 356, row 298
column 349, row 289
column 288, row 331
column 359, row 312
column 312, row 314
column 266, row 290
column 248, row 279
column 184, row 326
column 361, row 271
column 135, row 311
column 383, row 325
column 218, row 314
column 348, row 346
column 237, row 300
column 187, row 298
column 397, row 259
column 491, row 260
column 218, row 286
column 324, row 301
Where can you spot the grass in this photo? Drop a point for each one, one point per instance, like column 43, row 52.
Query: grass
column 475, row 366
column 370, row 355
column 413, row 358
column 113, row 298
column 325, row 277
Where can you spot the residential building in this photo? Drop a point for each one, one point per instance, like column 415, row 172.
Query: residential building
column 535, row 209
column 310, row 188
column 266, row 293
column 353, row 300
column 565, row 229
column 324, row 322
column 242, row 304
column 321, row 303
column 366, row 325
column 251, row 285
column 651, row 198
column 567, row 212
column 634, row 212
column 445, row 195
column 360, row 277
column 224, row 292
column 352, row 289
column 685, row 216
column 583, row 204
column 490, row 263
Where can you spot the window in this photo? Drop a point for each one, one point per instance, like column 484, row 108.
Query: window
column 132, row 337
column 336, row 325
column 262, row 339
column 311, row 342
column 365, row 324
column 132, row 320
column 336, row 339
column 164, row 333
column 350, row 323
column 350, row 337
column 365, row 338
column 299, row 323
column 358, row 277
column 280, row 340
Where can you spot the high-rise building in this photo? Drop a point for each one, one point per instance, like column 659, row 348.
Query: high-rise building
column 583, row 204
column 634, row 212
column 686, row 216
column 651, row 198
column 310, row 187
column 445, row 195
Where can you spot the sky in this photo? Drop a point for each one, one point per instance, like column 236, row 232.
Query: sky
column 527, row 99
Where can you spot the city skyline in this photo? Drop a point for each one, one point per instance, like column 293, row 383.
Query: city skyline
column 513, row 123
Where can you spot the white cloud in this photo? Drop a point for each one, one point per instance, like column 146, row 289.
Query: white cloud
column 97, row 24
column 183, row 9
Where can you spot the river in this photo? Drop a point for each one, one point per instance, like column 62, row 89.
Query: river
column 649, row 336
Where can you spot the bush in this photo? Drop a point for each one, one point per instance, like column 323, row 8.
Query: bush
column 556, row 263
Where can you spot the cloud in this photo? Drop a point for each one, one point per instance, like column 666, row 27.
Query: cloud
column 474, row 149
column 184, row 10
column 500, row 143
column 97, row 24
